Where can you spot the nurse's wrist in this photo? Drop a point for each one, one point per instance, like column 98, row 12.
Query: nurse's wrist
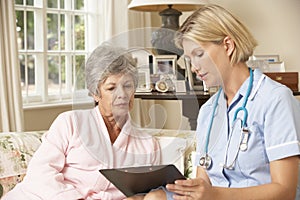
column 220, row 193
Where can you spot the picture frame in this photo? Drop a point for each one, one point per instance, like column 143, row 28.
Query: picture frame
column 193, row 81
column 165, row 64
column 180, row 86
column 276, row 67
column 269, row 58
column 144, row 84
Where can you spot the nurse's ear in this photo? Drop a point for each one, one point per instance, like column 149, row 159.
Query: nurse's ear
column 229, row 45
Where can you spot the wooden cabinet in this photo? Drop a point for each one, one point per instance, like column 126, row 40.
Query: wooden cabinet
column 290, row 79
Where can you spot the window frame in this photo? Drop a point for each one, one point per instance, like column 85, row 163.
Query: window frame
column 41, row 52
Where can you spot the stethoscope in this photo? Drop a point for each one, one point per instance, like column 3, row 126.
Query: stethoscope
column 206, row 161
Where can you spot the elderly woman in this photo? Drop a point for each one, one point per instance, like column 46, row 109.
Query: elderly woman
column 81, row 142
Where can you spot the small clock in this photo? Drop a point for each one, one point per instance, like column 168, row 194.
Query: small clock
column 161, row 86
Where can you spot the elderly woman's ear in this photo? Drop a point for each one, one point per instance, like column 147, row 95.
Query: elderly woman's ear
column 96, row 97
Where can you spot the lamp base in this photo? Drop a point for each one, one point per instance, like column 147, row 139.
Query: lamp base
column 163, row 42
column 163, row 38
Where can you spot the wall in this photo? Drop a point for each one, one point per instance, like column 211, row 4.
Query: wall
column 42, row 117
column 274, row 23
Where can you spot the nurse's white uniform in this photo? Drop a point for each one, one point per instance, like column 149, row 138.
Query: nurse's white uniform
column 274, row 124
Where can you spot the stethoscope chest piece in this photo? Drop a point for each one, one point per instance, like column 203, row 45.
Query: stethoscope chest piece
column 243, row 147
column 205, row 161
column 244, row 143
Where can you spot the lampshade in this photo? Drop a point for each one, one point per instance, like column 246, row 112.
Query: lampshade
column 159, row 5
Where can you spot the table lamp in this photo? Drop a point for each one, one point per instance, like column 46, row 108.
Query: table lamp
column 170, row 11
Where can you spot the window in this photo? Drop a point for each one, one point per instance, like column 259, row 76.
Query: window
column 53, row 46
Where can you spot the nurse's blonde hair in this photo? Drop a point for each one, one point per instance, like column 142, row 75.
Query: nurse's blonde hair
column 212, row 23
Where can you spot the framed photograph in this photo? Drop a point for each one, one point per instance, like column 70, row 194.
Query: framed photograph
column 194, row 82
column 165, row 64
column 141, row 56
column 143, row 80
column 269, row 58
column 263, row 65
column 180, row 86
column 276, row 67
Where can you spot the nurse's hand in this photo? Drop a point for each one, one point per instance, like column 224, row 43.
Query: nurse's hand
column 196, row 188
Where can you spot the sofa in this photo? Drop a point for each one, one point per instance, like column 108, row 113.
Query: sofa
column 16, row 150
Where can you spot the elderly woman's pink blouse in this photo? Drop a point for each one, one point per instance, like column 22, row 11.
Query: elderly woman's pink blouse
column 76, row 147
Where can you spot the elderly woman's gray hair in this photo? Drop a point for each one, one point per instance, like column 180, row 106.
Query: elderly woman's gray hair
column 107, row 60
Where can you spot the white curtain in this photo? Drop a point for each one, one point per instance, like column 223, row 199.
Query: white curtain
column 119, row 19
column 123, row 26
column 10, row 90
column 112, row 21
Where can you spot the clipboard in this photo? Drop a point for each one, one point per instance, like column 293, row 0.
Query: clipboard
column 135, row 180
